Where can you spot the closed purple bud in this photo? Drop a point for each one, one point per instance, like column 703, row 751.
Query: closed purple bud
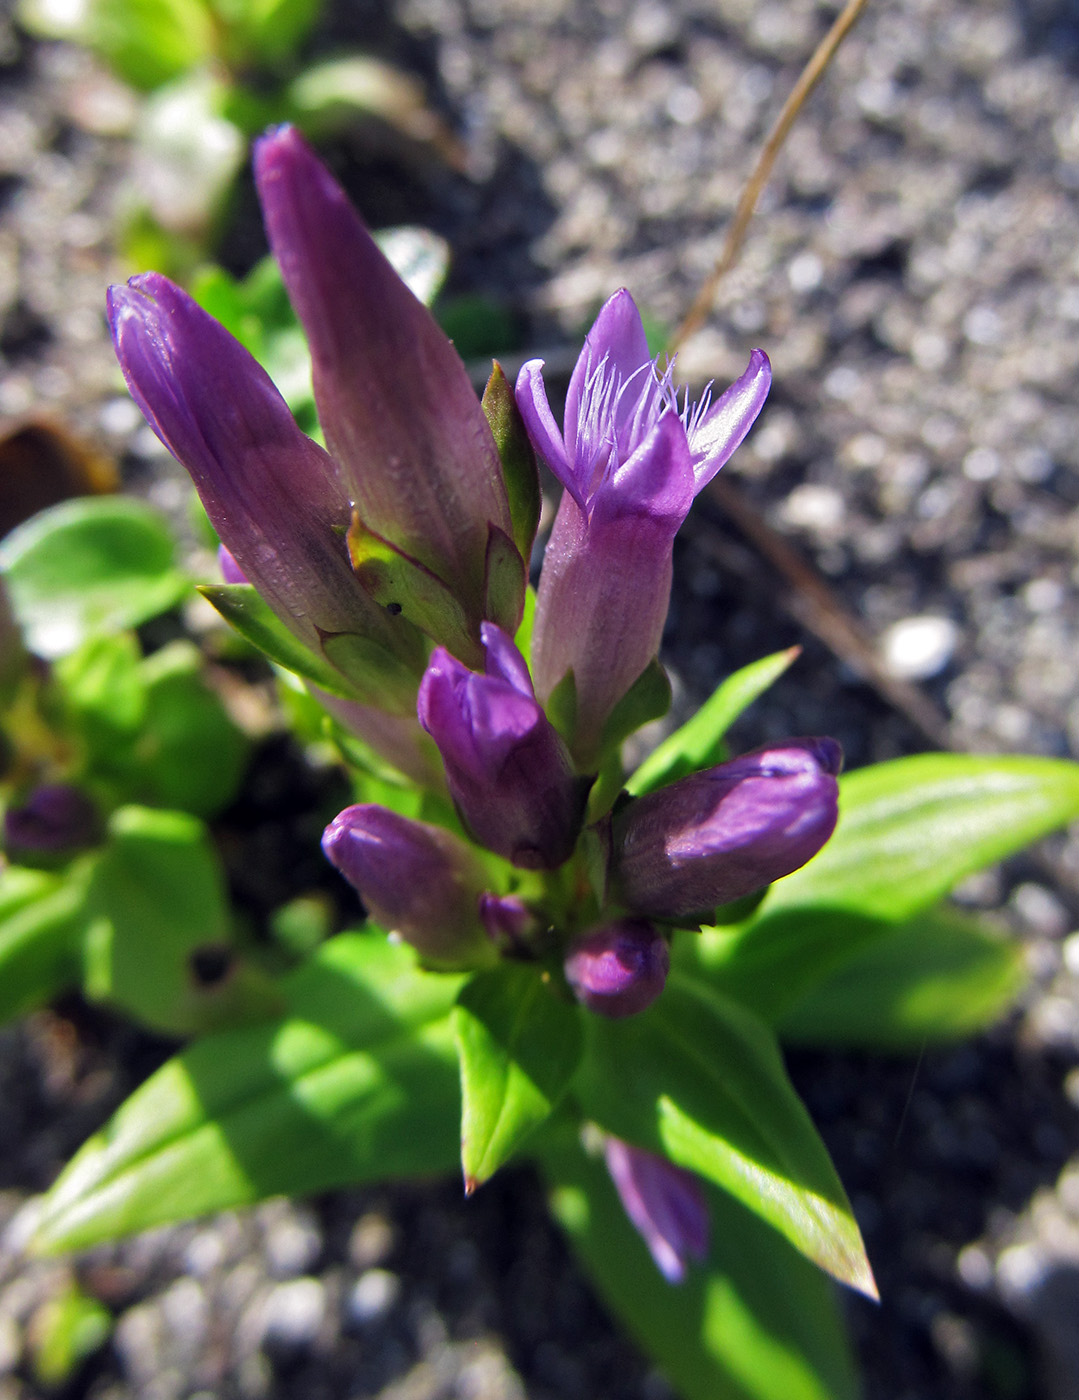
column 416, row 880
column 510, row 924
column 619, row 969
column 53, row 820
column 508, row 771
column 719, row 835
column 664, row 1203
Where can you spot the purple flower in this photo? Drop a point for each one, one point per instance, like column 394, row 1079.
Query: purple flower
column 508, row 770
column 620, row 968
column 413, row 446
column 54, row 819
column 719, row 835
column 273, row 495
column 631, row 462
column 416, row 880
column 664, row 1203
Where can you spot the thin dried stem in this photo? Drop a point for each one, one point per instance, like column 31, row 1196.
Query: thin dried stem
column 747, row 204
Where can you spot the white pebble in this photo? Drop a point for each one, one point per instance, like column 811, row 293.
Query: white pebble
column 375, row 1293
column 917, row 647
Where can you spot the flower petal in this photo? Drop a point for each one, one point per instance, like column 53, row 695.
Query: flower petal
column 729, row 419
column 617, row 335
column 531, row 395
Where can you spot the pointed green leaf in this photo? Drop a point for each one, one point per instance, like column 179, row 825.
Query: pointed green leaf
column 409, row 589
column 699, row 743
column 518, row 459
column 754, row 1322
column 700, row 1080
column 357, row 1083
column 940, row 977
column 910, row 829
column 505, row 581
column 561, row 707
column 95, row 564
column 519, row 1046
column 243, row 609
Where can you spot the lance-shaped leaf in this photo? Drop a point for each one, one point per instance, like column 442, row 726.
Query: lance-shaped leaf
column 273, row 495
column 910, row 829
column 940, row 977
column 504, row 582
column 357, row 1083
column 701, row 1080
column 395, row 402
column 517, row 457
column 699, row 743
column 754, row 1322
column 519, row 1046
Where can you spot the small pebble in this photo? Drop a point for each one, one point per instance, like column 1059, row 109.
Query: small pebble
column 374, row 1294
column 915, row 648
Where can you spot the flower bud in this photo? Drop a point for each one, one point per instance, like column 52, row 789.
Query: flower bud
column 511, row 925
column 620, row 968
column 507, row 769
column 55, row 819
column 664, row 1203
column 719, row 835
column 416, row 880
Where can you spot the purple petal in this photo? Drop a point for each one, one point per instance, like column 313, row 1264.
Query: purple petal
column 396, row 404
column 620, row 968
column 617, row 335
column 230, row 570
column 664, row 1203
column 270, row 492
column 730, row 418
column 720, row 835
column 503, row 660
column 54, row 819
column 531, row 395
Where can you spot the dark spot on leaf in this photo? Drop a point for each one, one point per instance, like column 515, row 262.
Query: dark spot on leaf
column 394, row 609
column 210, row 964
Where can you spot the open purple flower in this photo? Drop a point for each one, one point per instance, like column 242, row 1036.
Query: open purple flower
column 664, row 1203
column 508, row 770
column 631, row 463
column 717, row 836
column 418, row 881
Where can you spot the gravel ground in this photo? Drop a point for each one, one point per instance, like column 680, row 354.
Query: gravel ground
column 913, row 274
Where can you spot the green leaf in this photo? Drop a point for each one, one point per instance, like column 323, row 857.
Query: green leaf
column 358, row 1083
column 95, row 564
column 264, row 32
column 157, row 894
column 146, row 42
column 700, row 1080
column 64, row 1331
column 189, row 754
column 505, row 581
column 102, row 692
column 940, row 977
column 519, row 1046
column 910, row 829
column 242, row 608
column 41, row 921
column 518, row 459
column 754, row 1322
column 699, row 743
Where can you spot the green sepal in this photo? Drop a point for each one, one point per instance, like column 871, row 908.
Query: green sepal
column 408, row 589
column 699, row 743
column 243, row 609
column 380, row 677
column 561, row 707
column 505, row 581
column 519, row 468
column 754, row 1321
column 519, row 1045
column 648, row 698
column 939, row 978
column 356, row 1083
column 699, row 1079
